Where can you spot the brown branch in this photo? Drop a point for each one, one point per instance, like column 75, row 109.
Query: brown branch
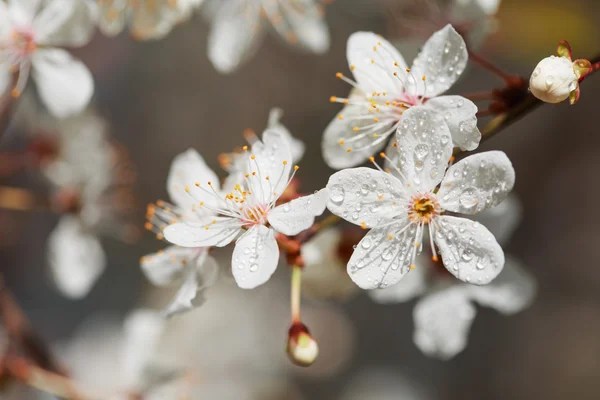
column 22, row 334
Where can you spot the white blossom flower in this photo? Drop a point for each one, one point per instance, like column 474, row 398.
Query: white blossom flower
column 475, row 18
column 238, row 27
column 248, row 212
column 30, row 31
column 399, row 205
column 557, row 78
column 147, row 19
column 385, row 89
column 192, row 268
column 90, row 179
column 445, row 311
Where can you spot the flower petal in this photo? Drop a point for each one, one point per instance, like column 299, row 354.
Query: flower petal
column 75, row 257
column 424, row 148
column 468, row 249
column 167, row 266
column 187, row 169
column 204, row 233
column 366, row 197
column 65, row 85
column 272, row 163
column 442, row 61
column 477, row 182
column 299, row 214
column 65, row 23
column 297, row 147
column 411, row 286
column 113, row 16
column 501, row 220
column 234, row 35
column 373, row 69
column 198, row 279
column 511, row 292
column 301, row 23
column 350, row 138
column 22, row 12
column 382, row 257
column 460, row 116
column 255, row 257
column 442, row 322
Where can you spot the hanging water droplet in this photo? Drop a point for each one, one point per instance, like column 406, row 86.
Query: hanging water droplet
column 337, row 194
column 468, row 198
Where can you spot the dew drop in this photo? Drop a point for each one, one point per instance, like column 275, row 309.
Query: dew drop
column 467, row 254
column 468, row 198
column 337, row 194
column 549, row 80
column 365, row 243
column 253, row 267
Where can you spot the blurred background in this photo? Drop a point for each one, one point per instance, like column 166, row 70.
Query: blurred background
column 162, row 97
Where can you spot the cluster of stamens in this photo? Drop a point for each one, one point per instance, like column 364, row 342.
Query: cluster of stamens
column 17, row 52
column 389, row 106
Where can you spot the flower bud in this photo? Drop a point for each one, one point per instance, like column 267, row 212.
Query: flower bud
column 302, row 348
column 553, row 79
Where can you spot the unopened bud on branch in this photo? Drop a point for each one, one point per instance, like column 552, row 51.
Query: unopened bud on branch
column 302, row 348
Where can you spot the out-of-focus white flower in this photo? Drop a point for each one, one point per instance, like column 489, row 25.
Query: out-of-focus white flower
column 147, row 19
column 557, row 78
column 398, row 206
column 249, row 209
column 324, row 275
column 381, row 383
column 192, row 268
column 385, row 89
column 445, row 311
column 475, row 18
column 238, row 27
column 30, row 31
column 117, row 362
column 91, row 179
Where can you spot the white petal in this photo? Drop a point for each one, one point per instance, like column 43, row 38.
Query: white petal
column 196, row 234
column 477, row 182
column 167, row 266
column 372, row 69
column 412, row 285
column 304, row 20
column 442, row 322
column 473, row 11
column 442, row 61
column 255, row 257
column 22, row 12
column 503, row 219
column 299, row 214
column 511, row 292
column 297, row 146
column 468, row 249
column 378, row 261
column 424, row 148
column 154, row 20
column 364, row 195
column 76, row 258
column 187, row 169
column 143, row 330
column 113, row 16
column 65, row 23
column 273, row 160
column 198, row 279
column 340, row 136
column 234, row 36
column 460, row 116
column 65, row 85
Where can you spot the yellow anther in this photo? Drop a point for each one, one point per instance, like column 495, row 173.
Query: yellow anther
column 372, row 61
column 375, row 135
column 284, row 162
column 296, row 167
column 376, row 119
column 372, row 159
column 267, row 177
column 395, row 144
column 254, row 173
column 412, row 266
column 349, row 150
column 395, row 65
column 390, row 237
column 407, row 69
column 417, row 244
column 342, row 142
column 253, row 157
column 339, row 75
column 245, row 148
column 209, row 183
column 214, row 221
column 206, row 227
column 424, row 78
column 382, row 154
column 148, row 225
column 363, row 225
column 201, row 203
column 352, row 67
column 160, row 236
column 340, row 117
column 247, row 175
column 197, row 184
column 187, row 188
column 333, row 99
column 184, row 261
column 434, row 258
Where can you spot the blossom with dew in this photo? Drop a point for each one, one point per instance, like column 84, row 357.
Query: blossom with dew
column 385, row 89
column 247, row 211
column 30, row 33
column 238, row 26
column 91, row 180
column 445, row 310
column 557, row 78
column 146, row 19
column 192, row 268
column 414, row 195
